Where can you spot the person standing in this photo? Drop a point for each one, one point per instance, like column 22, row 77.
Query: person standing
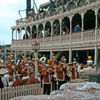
column 60, row 75
column 46, row 81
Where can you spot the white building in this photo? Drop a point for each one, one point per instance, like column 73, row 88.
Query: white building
column 85, row 42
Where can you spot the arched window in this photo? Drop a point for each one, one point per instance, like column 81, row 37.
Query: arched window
column 48, row 29
column 40, row 31
column 56, row 27
column 65, row 26
column 89, row 20
column 34, row 32
column 76, row 23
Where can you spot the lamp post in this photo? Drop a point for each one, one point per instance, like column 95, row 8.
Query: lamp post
column 36, row 47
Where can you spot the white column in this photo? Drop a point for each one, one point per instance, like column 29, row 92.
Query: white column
column 30, row 32
column 37, row 31
column 96, row 55
column 70, row 55
column 51, row 52
column 60, row 29
column 25, row 33
column 15, row 56
column 16, row 34
column 12, row 34
column 20, row 34
column 96, row 15
column 36, row 64
column 44, row 33
column 82, row 15
column 96, row 24
column 60, row 25
column 51, row 32
column 70, row 29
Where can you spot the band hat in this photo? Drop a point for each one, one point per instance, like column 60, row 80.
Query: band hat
column 23, row 60
column 12, row 60
column 26, row 64
column 3, row 71
column 29, row 61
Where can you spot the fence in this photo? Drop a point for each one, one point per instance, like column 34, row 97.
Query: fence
column 8, row 93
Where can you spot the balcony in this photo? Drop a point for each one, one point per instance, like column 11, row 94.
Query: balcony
column 63, row 41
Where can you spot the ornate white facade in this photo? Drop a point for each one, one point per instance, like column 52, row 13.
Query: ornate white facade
column 86, row 39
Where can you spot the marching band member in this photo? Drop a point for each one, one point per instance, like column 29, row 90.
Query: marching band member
column 46, row 80
column 59, row 75
column 90, row 61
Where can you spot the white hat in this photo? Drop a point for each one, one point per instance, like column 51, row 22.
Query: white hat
column 29, row 61
column 26, row 64
column 3, row 71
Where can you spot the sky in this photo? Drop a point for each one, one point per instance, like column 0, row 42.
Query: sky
column 9, row 15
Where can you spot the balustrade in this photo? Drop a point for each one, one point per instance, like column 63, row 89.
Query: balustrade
column 76, row 38
column 89, row 35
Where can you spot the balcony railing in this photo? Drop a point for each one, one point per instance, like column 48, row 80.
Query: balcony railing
column 69, row 39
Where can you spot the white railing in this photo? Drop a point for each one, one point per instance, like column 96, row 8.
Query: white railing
column 74, row 38
column 8, row 93
column 89, row 35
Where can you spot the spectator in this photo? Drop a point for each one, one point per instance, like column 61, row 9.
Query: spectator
column 18, row 81
column 52, row 4
column 77, row 28
column 57, row 3
column 32, row 79
column 67, row 30
column 10, row 84
column 48, row 32
column 56, row 31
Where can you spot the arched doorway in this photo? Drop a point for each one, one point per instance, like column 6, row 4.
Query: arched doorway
column 40, row 31
column 76, row 23
column 56, row 27
column 48, row 29
column 34, row 32
column 89, row 20
column 65, row 26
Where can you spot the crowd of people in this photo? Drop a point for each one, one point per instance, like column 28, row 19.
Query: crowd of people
column 51, row 73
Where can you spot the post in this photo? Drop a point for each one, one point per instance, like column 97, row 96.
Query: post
column 82, row 15
column 30, row 32
column 70, row 55
column 51, row 52
column 15, row 56
column 37, row 31
column 70, row 29
column 96, row 55
column 96, row 23
column 25, row 33
column 51, row 32
column 44, row 34
column 36, row 64
column 12, row 34
column 60, row 29
column 16, row 34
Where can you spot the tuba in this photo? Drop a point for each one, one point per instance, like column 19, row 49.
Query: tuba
column 43, row 59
